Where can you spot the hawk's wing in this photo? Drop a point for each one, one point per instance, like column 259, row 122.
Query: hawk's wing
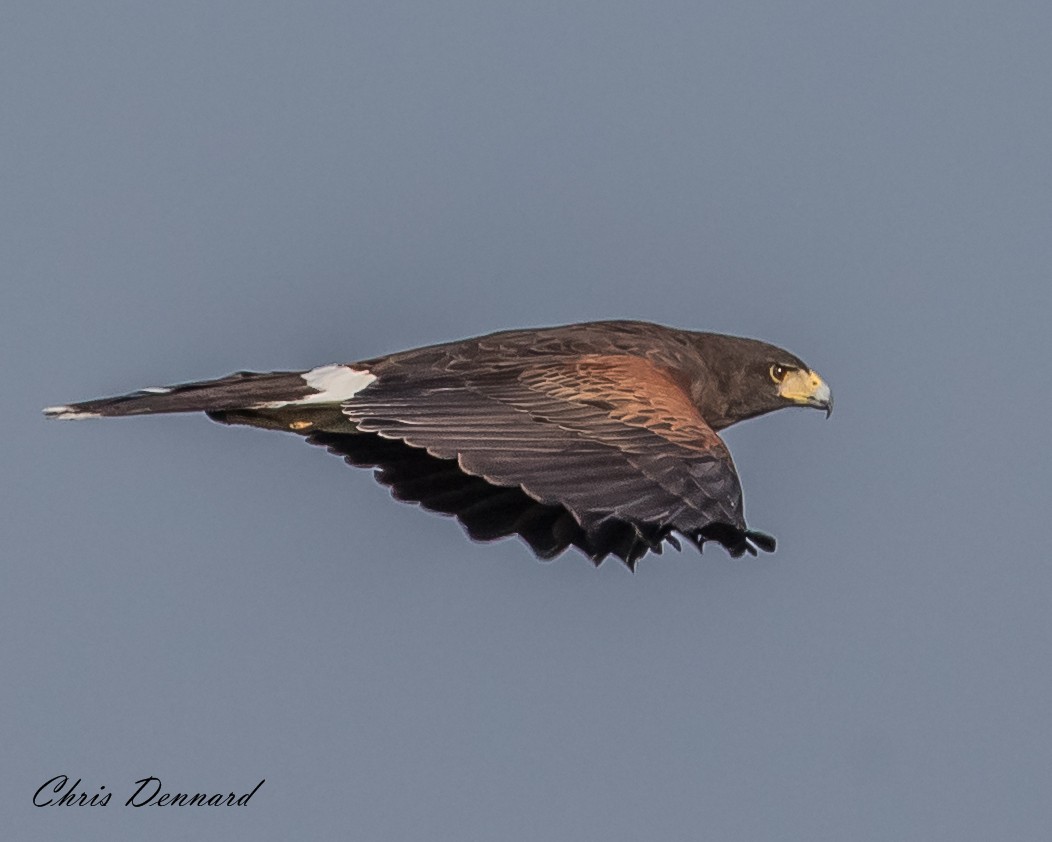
column 604, row 451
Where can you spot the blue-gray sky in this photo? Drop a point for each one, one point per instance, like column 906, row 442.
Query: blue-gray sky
column 195, row 188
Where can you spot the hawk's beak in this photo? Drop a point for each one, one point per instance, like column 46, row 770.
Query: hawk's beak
column 807, row 389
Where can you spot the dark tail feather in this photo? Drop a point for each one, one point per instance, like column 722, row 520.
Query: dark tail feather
column 236, row 391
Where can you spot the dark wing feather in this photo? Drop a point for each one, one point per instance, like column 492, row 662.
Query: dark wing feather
column 611, row 439
column 487, row 511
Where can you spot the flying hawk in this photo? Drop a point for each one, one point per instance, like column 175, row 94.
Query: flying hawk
column 600, row 435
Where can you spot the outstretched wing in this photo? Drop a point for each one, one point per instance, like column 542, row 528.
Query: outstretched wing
column 610, row 440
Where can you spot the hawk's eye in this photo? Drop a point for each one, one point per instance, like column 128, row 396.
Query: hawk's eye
column 778, row 372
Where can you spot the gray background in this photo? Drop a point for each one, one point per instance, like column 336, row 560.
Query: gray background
column 194, row 188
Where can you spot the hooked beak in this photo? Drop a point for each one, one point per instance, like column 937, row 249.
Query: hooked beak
column 805, row 388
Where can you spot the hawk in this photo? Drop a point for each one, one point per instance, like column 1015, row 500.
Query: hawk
column 602, row 436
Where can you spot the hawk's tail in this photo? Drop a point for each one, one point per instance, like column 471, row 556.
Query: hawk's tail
column 328, row 384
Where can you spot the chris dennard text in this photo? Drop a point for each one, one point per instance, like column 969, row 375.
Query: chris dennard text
column 59, row 792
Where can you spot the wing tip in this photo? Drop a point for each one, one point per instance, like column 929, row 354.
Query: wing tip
column 734, row 540
column 760, row 541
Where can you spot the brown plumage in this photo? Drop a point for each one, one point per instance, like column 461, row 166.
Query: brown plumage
column 600, row 435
